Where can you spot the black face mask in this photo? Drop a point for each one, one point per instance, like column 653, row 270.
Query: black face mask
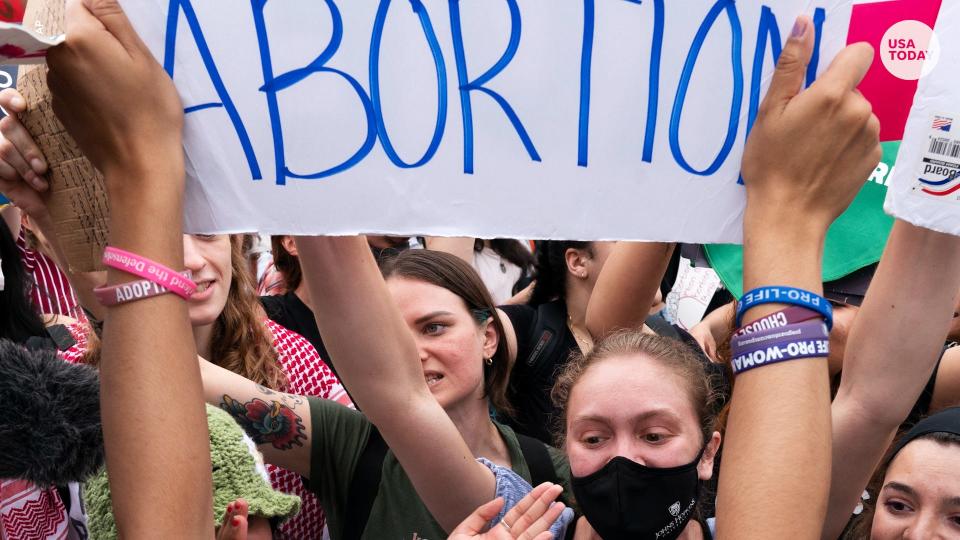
column 628, row 501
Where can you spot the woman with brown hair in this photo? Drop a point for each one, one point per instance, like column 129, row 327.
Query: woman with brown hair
column 231, row 331
column 422, row 344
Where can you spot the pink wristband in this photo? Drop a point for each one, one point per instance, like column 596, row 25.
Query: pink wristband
column 169, row 279
column 129, row 292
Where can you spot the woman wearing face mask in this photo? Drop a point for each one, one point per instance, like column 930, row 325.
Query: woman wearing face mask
column 810, row 149
column 638, row 429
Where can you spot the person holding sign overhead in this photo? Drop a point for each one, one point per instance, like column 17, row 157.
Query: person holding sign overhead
column 415, row 354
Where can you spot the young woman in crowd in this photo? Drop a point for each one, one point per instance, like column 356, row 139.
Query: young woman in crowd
column 229, row 327
column 779, row 435
column 437, row 356
column 470, row 369
column 577, row 294
column 352, row 299
column 916, row 489
column 291, row 308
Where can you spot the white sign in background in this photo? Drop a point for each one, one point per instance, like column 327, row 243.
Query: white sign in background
column 280, row 91
column 925, row 187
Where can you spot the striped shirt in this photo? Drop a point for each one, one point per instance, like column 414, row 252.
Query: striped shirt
column 50, row 292
column 28, row 512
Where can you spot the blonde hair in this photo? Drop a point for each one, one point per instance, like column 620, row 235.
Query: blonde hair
column 701, row 387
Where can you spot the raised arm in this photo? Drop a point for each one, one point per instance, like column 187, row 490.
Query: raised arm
column 379, row 364
column 460, row 246
column 809, row 151
column 128, row 121
column 627, row 286
column 894, row 344
column 22, row 166
column 285, row 443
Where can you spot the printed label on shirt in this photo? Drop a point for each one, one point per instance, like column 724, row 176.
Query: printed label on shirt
column 938, row 173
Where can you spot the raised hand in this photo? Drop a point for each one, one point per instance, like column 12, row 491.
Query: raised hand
column 112, row 95
column 812, row 150
column 529, row 519
column 21, row 162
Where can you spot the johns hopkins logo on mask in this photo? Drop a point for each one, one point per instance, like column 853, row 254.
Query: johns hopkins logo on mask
column 674, row 509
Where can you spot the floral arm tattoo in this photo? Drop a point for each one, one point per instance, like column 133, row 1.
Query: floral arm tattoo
column 274, row 422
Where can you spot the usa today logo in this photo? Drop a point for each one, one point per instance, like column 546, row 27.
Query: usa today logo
column 910, row 50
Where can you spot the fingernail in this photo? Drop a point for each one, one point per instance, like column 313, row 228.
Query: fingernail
column 235, row 521
column 38, row 165
column 230, row 508
column 799, row 28
column 18, row 102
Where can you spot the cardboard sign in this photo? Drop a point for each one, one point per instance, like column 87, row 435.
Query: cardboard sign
column 535, row 119
column 77, row 200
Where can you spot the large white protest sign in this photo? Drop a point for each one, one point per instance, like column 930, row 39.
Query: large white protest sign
column 524, row 118
column 925, row 189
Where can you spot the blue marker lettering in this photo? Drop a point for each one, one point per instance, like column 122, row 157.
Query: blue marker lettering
column 169, row 54
column 467, row 86
column 819, row 16
column 653, row 94
column 737, row 100
column 441, row 70
column 273, row 85
column 586, row 64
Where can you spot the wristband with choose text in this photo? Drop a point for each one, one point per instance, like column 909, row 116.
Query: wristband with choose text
column 746, row 344
column 784, row 317
column 129, row 292
column 785, row 295
column 780, row 350
column 149, row 270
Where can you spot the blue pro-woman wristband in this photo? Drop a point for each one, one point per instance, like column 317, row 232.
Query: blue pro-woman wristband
column 785, row 295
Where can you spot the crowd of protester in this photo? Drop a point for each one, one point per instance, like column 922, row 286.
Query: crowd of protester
column 426, row 387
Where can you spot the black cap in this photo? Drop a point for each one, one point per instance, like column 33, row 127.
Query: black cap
column 945, row 421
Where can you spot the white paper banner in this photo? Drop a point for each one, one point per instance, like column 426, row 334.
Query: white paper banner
column 519, row 118
column 925, row 187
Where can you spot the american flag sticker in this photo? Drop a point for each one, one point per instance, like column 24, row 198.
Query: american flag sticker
column 942, row 123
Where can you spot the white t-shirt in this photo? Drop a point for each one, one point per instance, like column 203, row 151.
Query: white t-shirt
column 497, row 273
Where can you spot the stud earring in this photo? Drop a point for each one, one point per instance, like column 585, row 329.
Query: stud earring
column 488, row 361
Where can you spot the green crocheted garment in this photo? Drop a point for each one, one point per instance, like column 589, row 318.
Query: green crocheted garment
column 236, row 473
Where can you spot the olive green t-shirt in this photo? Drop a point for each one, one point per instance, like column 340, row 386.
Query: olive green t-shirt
column 339, row 438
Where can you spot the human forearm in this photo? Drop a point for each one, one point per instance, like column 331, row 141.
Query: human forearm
column 285, row 444
column 341, row 272
column 780, row 412
column 886, row 368
column 627, row 286
column 459, row 246
column 128, row 121
column 159, row 466
column 380, row 365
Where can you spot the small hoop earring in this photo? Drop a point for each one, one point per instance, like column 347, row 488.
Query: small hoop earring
column 488, row 361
